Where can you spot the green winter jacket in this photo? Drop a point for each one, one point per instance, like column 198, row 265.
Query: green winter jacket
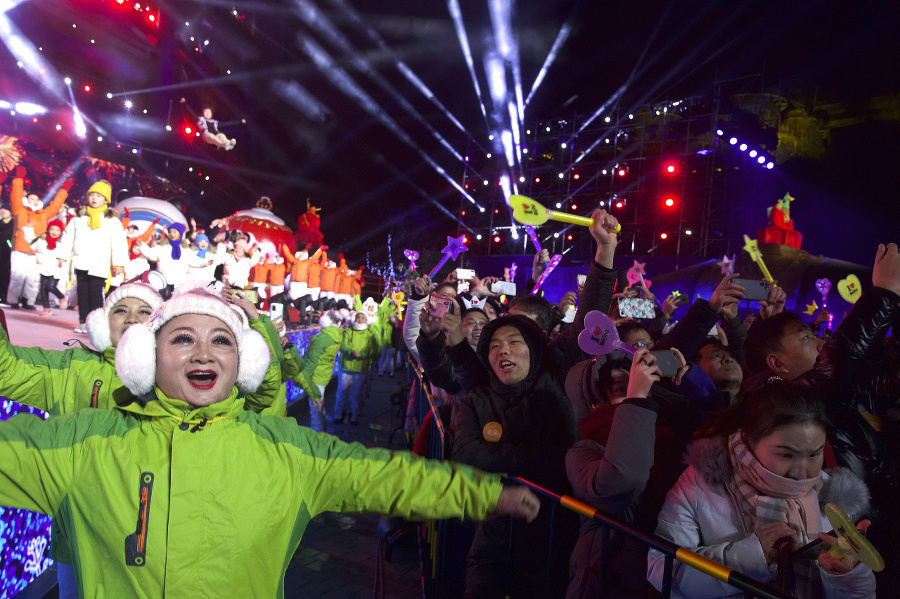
column 318, row 363
column 161, row 499
column 363, row 342
column 65, row 381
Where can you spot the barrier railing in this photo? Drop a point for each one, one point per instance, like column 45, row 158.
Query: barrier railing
column 435, row 534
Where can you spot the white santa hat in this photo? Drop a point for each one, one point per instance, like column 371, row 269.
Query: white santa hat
column 136, row 353
column 97, row 322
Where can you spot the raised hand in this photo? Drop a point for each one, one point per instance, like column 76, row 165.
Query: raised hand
column 726, row 293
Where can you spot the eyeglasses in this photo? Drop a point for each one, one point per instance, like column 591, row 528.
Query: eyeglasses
column 641, row 344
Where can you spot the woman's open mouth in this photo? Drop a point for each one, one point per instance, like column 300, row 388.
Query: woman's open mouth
column 202, row 379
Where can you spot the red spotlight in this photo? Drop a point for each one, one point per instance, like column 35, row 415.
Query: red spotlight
column 188, row 130
column 496, row 239
column 87, row 88
column 670, row 168
column 151, row 18
column 574, row 207
column 619, row 204
column 569, row 237
column 670, row 202
column 466, row 186
column 496, row 211
column 663, row 235
column 537, row 179
column 34, row 119
column 576, row 176
column 622, row 172
column 463, row 212
column 465, row 239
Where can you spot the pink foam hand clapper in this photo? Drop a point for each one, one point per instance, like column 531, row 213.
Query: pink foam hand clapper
column 600, row 337
column 412, row 256
column 534, row 238
column 453, row 249
column 554, row 262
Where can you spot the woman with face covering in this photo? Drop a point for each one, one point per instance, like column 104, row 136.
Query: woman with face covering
column 97, row 246
column 521, row 423
column 753, row 493
column 194, row 488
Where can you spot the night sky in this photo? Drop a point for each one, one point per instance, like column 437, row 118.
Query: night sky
column 307, row 137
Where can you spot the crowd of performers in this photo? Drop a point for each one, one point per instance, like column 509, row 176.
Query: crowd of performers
column 774, row 420
column 96, row 248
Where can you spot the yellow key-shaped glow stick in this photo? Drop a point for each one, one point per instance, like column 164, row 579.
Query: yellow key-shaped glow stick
column 530, row 212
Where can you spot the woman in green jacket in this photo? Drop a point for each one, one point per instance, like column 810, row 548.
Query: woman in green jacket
column 183, row 493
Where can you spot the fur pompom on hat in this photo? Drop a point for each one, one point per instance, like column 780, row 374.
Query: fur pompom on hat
column 136, row 353
column 97, row 322
column 330, row 319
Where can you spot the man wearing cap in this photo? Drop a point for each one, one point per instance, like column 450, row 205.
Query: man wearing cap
column 30, row 219
column 98, row 247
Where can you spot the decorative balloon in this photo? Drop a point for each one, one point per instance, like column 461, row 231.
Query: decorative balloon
column 143, row 211
column 262, row 224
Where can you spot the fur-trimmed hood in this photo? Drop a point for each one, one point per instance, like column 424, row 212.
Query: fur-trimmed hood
column 709, row 456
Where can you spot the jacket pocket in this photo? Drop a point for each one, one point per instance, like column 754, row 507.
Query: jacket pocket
column 136, row 543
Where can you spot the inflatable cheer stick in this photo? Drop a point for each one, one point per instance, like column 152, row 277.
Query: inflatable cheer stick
column 512, row 272
column 412, row 255
column 529, row 212
column 851, row 540
column 454, row 248
column 534, row 239
column 554, row 262
column 600, row 336
column 752, row 248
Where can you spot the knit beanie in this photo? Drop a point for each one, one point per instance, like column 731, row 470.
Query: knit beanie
column 97, row 323
column 136, row 353
column 180, row 227
column 103, row 188
column 201, row 252
column 241, row 243
column 56, row 223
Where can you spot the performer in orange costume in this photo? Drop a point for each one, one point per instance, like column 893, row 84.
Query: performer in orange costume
column 30, row 223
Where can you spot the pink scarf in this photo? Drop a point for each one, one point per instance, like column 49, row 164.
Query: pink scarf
column 773, row 498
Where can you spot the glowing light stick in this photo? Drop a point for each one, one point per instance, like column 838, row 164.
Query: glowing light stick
column 534, row 238
column 752, row 248
column 554, row 262
column 824, row 286
column 512, row 272
column 413, row 256
column 454, row 248
column 600, row 337
column 529, row 212
column 851, row 540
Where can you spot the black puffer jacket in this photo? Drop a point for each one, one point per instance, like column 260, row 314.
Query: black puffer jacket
column 536, row 427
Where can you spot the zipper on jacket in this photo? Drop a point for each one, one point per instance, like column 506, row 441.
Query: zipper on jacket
column 136, row 543
column 95, row 392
